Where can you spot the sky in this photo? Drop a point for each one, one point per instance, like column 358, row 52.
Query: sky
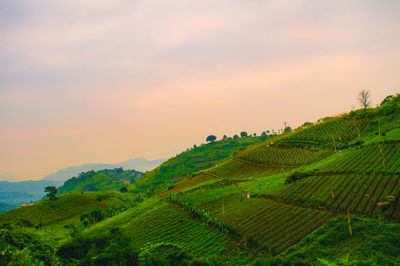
column 104, row 81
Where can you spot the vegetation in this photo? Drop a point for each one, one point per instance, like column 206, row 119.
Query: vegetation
column 327, row 193
column 108, row 179
column 51, row 192
column 188, row 163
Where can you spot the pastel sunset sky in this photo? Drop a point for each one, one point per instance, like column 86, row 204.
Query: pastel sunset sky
column 103, row 81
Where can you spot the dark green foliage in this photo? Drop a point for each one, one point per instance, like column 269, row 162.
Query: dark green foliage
column 211, row 138
column 370, row 244
column 243, row 134
column 51, row 192
column 287, row 129
column 387, row 99
column 123, row 189
column 108, row 249
column 21, row 248
column 165, row 253
column 107, row 179
column 296, row 175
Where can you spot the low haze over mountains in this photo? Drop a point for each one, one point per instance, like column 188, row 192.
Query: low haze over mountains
column 16, row 193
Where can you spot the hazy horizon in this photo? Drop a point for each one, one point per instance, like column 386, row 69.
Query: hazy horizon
column 105, row 81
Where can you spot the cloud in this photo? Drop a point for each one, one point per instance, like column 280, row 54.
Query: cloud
column 90, row 81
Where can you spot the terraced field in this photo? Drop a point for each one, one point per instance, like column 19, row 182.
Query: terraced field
column 284, row 156
column 276, row 226
column 368, row 159
column 239, row 169
column 172, row 224
column 190, row 183
column 341, row 128
column 357, row 193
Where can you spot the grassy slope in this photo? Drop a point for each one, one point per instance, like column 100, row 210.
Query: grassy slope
column 191, row 161
column 67, row 209
column 100, row 180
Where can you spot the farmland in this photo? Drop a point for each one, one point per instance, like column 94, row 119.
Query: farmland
column 301, row 197
column 283, row 156
column 340, row 128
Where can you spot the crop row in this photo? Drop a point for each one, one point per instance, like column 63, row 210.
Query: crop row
column 342, row 129
column 339, row 193
column 237, row 169
column 171, row 224
column 368, row 159
column 282, row 156
column 274, row 225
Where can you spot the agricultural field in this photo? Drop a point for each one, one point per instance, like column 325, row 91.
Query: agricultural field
column 371, row 243
column 275, row 226
column 342, row 129
column 358, row 193
column 284, row 156
column 169, row 223
column 240, row 169
column 368, row 159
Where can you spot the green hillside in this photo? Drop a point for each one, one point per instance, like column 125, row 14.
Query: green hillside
column 191, row 161
column 106, row 179
column 324, row 194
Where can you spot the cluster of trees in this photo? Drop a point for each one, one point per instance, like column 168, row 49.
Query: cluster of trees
column 244, row 134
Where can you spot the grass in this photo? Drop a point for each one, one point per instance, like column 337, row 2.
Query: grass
column 370, row 244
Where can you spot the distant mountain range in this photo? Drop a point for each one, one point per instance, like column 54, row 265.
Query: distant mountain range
column 138, row 164
column 16, row 193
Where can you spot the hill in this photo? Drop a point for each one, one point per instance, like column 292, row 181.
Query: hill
column 138, row 164
column 106, row 179
column 324, row 194
column 191, row 161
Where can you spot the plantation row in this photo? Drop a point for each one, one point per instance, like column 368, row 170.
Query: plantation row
column 280, row 156
column 341, row 128
column 338, row 193
column 237, row 169
column 368, row 159
column 171, row 224
column 275, row 226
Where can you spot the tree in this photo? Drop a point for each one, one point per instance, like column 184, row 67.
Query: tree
column 387, row 99
column 243, row 134
column 225, row 137
column 287, row 129
column 51, row 192
column 211, row 138
column 235, row 137
column 123, row 189
column 363, row 98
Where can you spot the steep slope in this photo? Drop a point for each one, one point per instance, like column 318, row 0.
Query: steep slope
column 106, row 179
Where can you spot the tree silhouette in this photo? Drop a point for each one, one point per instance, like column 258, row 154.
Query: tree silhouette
column 363, row 98
column 211, row 138
column 51, row 192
